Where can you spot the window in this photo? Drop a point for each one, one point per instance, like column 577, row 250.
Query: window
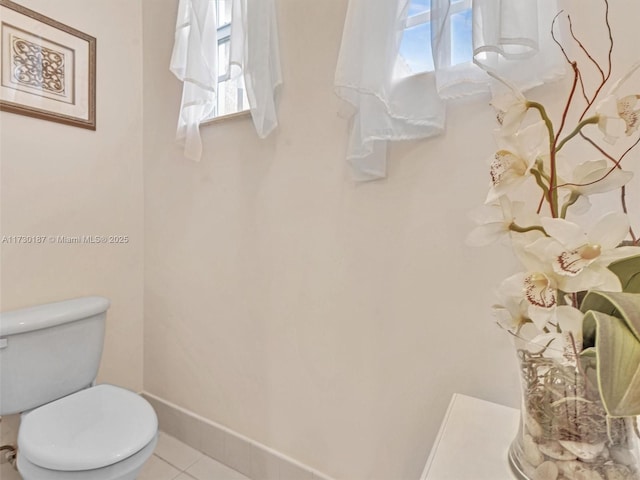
column 415, row 47
column 232, row 96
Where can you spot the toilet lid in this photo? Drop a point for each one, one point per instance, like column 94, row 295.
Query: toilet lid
column 89, row 429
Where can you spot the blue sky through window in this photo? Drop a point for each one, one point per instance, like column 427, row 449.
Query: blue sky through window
column 461, row 41
column 415, row 47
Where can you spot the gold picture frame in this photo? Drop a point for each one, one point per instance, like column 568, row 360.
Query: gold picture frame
column 47, row 69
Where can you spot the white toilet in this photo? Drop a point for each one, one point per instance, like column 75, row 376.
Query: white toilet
column 69, row 428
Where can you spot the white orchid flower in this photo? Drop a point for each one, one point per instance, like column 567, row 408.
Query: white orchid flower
column 511, row 313
column 579, row 260
column 511, row 108
column 511, row 105
column 618, row 115
column 564, row 341
column 590, row 178
column 627, row 113
column 534, row 292
column 610, row 123
column 495, row 221
column 512, row 163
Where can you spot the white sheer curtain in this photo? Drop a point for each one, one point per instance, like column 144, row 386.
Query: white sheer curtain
column 510, row 37
column 384, row 109
column 195, row 62
column 254, row 54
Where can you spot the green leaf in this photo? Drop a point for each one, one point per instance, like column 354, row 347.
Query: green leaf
column 628, row 271
column 623, row 305
column 618, row 369
column 614, row 319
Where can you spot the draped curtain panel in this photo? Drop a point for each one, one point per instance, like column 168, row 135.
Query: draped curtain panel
column 194, row 61
column 511, row 39
column 254, row 55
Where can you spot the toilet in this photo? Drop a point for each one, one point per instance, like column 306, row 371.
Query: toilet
column 70, row 428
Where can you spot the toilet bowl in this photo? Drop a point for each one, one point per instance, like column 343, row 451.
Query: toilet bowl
column 69, row 429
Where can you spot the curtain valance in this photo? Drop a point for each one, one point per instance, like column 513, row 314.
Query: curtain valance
column 510, row 38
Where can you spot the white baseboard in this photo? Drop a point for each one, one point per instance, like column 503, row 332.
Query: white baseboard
column 251, row 458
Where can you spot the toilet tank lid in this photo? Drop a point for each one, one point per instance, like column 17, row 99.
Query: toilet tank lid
column 51, row 314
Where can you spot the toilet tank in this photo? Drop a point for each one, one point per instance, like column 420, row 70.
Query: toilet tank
column 49, row 351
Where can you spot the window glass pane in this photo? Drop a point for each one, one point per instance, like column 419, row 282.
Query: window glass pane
column 461, row 38
column 231, row 97
column 224, row 106
column 223, row 58
column 419, row 6
column 224, row 12
column 415, row 51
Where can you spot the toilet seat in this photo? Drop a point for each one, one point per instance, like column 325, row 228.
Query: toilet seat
column 87, row 430
column 128, row 469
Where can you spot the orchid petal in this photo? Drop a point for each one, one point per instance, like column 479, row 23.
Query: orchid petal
column 511, row 111
column 612, row 128
column 604, row 181
column 486, row 214
column 504, row 318
column 570, row 320
column 628, row 114
column 594, row 277
column 619, row 253
column 610, row 230
column 513, row 286
column 540, row 316
column 486, row 234
column 581, row 206
column 624, row 78
column 585, row 169
column 544, row 248
column 567, row 233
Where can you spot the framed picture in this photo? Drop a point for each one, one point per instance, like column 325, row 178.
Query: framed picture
column 48, row 69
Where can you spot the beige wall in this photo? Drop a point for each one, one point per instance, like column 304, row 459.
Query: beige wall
column 327, row 320
column 61, row 180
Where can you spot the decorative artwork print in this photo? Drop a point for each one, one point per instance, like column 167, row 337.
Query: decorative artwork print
column 48, row 69
column 37, row 66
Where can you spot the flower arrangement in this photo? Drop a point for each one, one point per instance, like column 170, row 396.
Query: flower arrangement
column 574, row 310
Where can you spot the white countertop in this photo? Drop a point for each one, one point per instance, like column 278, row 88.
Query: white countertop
column 473, row 441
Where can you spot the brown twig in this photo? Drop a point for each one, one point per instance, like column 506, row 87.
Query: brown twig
column 584, row 49
column 615, row 165
column 623, row 198
column 583, row 88
column 605, row 77
column 606, row 20
column 557, row 42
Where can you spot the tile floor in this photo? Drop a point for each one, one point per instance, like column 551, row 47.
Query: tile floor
column 172, row 460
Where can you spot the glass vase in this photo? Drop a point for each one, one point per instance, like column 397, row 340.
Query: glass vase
column 564, row 431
